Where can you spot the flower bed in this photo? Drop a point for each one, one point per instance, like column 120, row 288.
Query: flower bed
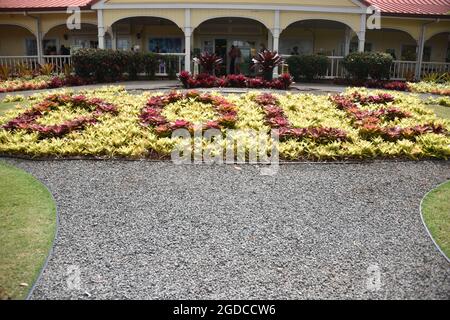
column 41, row 82
column 370, row 122
column 152, row 114
column 28, row 121
column 351, row 126
column 277, row 119
column 416, row 87
column 204, row 80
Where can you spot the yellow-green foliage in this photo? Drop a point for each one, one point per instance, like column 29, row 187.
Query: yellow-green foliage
column 430, row 87
column 122, row 135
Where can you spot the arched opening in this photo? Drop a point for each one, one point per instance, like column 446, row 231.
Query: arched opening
column 147, row 34
column 218, row 35
column 437, row 48
column 60, row 40
column 400, row 44
column 324, row 37
column 10, row 45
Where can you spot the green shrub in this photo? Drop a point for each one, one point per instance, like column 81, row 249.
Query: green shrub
column 135, row 64
column 357, row 65
column 362, row 64
column 110, row 65
column 103, row 65
column 379, row 65
column 308, row 67
column 150, row 62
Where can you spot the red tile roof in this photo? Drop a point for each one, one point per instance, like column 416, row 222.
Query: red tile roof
column 33, row 5
column 412, row 7
column 394, row 7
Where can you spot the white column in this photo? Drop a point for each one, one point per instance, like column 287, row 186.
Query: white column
column 187, row 40
column 113, row 39
column 276, row 37
column 347, row 40
column 187, row 49
column 419, row 55
column 362, row 33
column 101, row 29
column 269, row 40
column 39, row 41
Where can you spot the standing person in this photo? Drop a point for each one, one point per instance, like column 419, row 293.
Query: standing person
column 238, row 61
column 295, row 51
column 232, row 54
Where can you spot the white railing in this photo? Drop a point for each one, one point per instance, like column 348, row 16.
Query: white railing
column 402, row 70
column 13, row 61
column 335, row 68
column 163, row 70
column 33, row 61
column 435, row 67
column 58, row 61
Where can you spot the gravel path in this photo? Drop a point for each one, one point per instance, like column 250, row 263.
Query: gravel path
column 159, row 231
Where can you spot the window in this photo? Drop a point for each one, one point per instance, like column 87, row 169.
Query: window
column 392, row 53
column 409, row 53
column 49, row 47
column 31, row 47
column 165, row 45
column 123, row 44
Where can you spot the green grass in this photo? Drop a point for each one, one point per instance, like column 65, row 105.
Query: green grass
column 27, row 228
column 436, row 213
column 440, row 111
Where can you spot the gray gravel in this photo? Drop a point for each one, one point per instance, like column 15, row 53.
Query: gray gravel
column 160, row 231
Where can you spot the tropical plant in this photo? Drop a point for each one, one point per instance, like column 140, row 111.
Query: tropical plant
column 5, row 72
column 209, row 62
column 265, row 62
column 46, row 69
column 23, row 70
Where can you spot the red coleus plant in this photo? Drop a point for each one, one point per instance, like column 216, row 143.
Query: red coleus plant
column 204, row 80
column 370, row 131
column 276, row 119
column 368, row 122
column 152, row 116
column 28, row 120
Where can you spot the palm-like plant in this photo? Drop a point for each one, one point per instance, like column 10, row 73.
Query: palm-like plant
column 5, row 72
column 266, row 61
column 209, row 62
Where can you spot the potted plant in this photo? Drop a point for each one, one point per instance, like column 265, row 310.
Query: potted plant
column 265, row 62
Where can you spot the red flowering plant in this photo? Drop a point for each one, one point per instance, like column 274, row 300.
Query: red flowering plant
column 209, row 62
column 151, row 114
column 369, row 122
column 266, row 61
column 276, row 119
column 28, row 120
column 204, row 80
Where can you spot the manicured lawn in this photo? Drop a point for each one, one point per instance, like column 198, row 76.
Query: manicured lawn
column 436, row 213
column 27, row 228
